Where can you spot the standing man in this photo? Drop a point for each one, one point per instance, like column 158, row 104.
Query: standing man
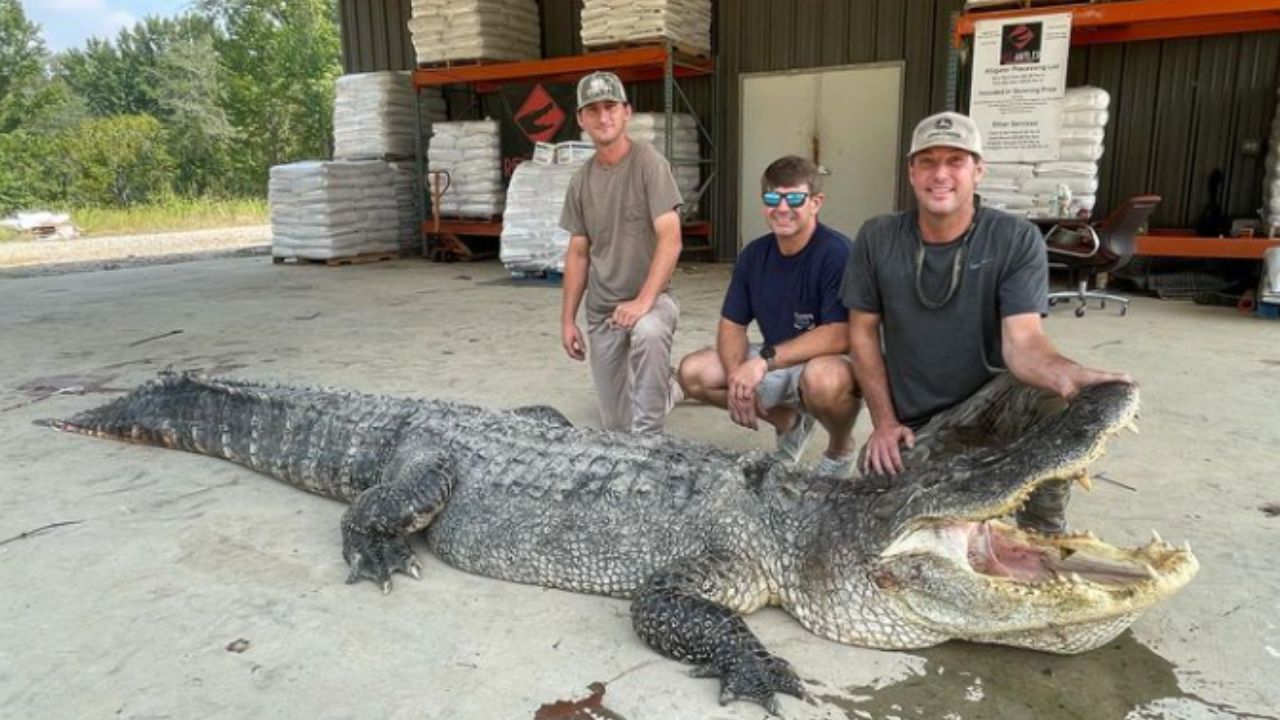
column 621, row 212
column 788, row 282
column 955, row 292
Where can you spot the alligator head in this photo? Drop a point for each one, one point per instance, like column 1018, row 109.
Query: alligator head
column 937, row 563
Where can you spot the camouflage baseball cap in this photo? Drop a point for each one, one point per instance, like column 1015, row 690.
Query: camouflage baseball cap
column 946, row 129
column 600, row 87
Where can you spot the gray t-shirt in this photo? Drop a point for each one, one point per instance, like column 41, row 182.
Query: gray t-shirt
column 614, row 207
column 936, row 358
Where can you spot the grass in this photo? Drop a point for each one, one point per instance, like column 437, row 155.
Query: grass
column 170, row 216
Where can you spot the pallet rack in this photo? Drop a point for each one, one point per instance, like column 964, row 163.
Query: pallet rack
column 446, row 239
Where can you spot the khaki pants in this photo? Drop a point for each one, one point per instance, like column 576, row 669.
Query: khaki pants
column 632, row 369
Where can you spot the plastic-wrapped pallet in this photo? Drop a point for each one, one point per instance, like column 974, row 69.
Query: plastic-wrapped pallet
column 332, row 208
column 444, row 30
column 373, row 115
column 408, row 229
column 1067, row 187
column 532, row 239
column 471, row 153
column 686, row 23
column 651, row 128
column 1271, row 188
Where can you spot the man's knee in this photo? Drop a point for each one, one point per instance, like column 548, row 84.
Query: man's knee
column 698, row 372
column 827, row 381
column 651, row 329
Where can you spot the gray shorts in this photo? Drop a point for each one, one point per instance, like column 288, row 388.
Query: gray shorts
column 779, row 387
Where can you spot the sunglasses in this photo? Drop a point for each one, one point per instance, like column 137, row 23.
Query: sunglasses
column 794, row 200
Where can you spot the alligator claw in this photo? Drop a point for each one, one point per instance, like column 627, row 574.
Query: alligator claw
column 755, row 677
column 378, row 556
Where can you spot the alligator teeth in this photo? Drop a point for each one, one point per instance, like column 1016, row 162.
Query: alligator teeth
column 1151, row 572
column 1075, row 578
column 1155, row 537
column 1132, row 427
column 1186, row 547
column 1085, row 482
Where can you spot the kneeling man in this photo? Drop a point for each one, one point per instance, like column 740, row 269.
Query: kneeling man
column 789, row 283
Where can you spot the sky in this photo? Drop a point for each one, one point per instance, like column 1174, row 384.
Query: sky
column 67, row 24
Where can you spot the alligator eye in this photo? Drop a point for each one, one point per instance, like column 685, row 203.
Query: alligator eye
column 884, row 579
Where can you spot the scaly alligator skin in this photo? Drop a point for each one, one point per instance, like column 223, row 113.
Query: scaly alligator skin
column 697, row 536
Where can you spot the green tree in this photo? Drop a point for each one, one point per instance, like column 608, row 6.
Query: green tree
column 118, row 160
column 279, row 60
column 199, row 134
column 23, row 58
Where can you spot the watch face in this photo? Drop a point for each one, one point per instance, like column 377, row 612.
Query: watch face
column 767, row 352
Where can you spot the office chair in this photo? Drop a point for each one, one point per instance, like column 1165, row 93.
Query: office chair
column 1087, row 250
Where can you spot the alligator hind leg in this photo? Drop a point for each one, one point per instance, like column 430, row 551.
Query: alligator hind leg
column 677, row 614
column 376, row 528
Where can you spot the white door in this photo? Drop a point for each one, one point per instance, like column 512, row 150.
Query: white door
column 847, row 119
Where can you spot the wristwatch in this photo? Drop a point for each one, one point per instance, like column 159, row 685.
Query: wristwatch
column 769, row 352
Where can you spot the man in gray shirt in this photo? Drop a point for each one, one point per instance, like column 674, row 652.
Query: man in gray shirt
column 621, row 212
column 946, row 298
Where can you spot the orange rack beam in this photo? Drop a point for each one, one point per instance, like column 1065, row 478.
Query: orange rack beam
column 1109, row 22
column 630, row 64
column 1162, row 244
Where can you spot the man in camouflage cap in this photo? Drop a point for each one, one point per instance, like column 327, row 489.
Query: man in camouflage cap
column 622, row 214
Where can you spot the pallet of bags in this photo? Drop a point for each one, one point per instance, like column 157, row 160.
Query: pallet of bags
column 470, row 152
column 408, row 226
column 327, row 209
column 445, row 31
column 532, row 240
column 1067, row 187
column 684, row 23
column 374, row 117
column 1270, row 211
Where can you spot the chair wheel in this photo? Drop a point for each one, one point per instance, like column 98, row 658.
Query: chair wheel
column 1124, row 310
column 1053, row 302
column 1102, row 304
column 1080, row 311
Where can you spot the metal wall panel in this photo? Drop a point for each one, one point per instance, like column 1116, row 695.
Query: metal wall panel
column 1181, row 109
column 375, row 35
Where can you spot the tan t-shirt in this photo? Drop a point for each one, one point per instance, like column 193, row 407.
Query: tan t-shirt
column 614, row 207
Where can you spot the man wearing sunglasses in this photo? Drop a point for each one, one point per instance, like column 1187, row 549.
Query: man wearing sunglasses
column 945, row 299
column 788, row 282
column 621, row 212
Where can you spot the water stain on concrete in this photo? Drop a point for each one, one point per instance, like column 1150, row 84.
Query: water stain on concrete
column 963, row 681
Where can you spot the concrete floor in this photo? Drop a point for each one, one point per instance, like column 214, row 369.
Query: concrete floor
column 141, row 582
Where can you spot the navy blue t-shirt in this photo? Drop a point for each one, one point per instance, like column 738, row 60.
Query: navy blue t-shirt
column 788, row 295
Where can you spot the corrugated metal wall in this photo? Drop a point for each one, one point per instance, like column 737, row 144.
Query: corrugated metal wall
column 1180, row 108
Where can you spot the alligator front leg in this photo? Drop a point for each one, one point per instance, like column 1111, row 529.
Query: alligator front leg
column 683, row 612
column 376, row 528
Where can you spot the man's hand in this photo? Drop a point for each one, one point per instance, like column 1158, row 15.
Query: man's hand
column 629, row 313
column 743, row 382
column 571, row 339
column 1079, row 377
column 882, row 454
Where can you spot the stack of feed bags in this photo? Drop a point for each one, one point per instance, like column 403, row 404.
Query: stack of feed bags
column 532, row 239
column 332, row 208
column 652, row 128
column 373, row 115
column 1271, row 189
column 686, row 23
column 444, row 30
column 471, row 153
column 1063, row 188
column 408, row 228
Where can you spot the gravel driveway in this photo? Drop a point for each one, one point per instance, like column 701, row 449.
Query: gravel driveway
column 42, row 257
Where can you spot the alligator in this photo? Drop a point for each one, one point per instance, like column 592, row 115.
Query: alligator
column 696, row 536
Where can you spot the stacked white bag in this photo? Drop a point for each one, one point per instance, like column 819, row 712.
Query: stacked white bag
column 408, row 229
column 475, row 30
column 1066, row 187
column 532, row 239
column 471, row 153
column 330, row 209
column 1271, row 188
column 373, row 115
column 652, row 128
column 686, row 23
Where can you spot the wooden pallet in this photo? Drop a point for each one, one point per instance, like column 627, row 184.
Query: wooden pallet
column 361, row 259
column 460, row 62
column 632, row 43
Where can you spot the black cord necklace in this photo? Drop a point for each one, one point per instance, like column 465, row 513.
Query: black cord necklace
column 957, row 268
